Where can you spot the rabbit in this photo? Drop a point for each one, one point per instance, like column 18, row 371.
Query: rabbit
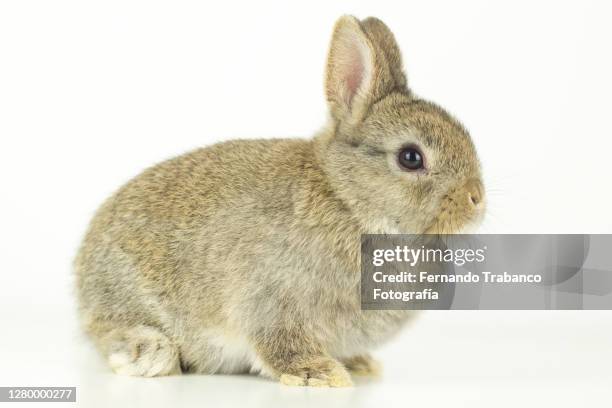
column 244, row 257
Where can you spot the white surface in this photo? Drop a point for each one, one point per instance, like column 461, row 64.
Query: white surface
column 459, row 359
column 93, row 92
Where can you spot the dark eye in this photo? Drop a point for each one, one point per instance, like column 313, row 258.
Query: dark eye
column 411, row 158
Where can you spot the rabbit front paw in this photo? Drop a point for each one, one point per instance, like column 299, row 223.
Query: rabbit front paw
column 320, row 372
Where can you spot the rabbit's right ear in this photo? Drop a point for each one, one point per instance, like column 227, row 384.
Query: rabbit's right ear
column 384, row 40
column 363, row 66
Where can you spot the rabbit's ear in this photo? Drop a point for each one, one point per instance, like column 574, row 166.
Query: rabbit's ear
column 363, row 66
column 384, row 40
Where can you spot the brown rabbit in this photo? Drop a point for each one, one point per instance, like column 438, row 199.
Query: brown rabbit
column 244, row 256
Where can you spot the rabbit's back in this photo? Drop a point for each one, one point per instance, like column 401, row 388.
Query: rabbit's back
column 143, row 241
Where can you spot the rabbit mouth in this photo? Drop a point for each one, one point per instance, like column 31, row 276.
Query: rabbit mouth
column 445, row 223
column 461, row 210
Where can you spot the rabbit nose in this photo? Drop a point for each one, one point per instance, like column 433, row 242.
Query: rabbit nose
column 475, row 192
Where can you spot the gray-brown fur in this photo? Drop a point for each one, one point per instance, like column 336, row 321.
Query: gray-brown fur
column 244, row 256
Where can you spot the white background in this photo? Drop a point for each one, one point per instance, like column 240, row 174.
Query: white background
column 91, row 93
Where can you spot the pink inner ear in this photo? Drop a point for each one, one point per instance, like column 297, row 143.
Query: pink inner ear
column 354, row 73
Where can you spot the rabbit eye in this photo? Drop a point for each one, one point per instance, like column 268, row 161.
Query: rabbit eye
column 411, row 158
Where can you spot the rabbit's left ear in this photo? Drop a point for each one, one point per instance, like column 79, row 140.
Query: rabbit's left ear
column 363, row 66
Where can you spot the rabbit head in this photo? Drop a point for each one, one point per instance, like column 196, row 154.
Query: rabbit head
column 399, row 163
